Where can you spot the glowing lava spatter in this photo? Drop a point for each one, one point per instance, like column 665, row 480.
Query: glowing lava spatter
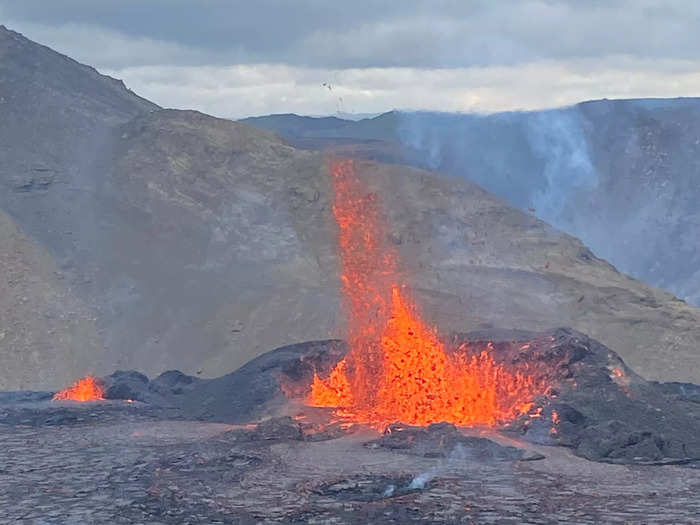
column 85, row 389
column 397, row 369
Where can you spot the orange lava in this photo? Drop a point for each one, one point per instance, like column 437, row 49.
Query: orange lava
column 85, row 389
column 397, row 369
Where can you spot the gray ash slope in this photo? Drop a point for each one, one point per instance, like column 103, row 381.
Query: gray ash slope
column 624, row 166
column 135, row 237
column 55, row 121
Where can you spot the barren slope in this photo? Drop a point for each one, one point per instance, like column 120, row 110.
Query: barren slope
column 622, row 175
column 55, row 121
column 45, row 330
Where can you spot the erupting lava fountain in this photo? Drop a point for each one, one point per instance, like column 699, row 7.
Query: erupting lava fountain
column 398, row 369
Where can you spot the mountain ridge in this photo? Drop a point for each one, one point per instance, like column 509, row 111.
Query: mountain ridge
column 628, row 165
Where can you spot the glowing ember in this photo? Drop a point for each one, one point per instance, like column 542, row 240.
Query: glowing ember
column 85, row 389
column 397, row 369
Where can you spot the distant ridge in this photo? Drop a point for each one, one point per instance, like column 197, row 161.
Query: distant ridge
column 629, row 166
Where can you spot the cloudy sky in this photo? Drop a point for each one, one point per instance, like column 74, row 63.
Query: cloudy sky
column 237, row 58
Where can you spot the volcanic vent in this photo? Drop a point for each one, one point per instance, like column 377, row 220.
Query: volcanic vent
column 86, row 389
column 398, row 368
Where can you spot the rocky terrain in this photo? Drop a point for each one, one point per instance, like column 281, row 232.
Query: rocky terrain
column 619, row 174
column 120, row 465
column 140, row 457
column 151, row 239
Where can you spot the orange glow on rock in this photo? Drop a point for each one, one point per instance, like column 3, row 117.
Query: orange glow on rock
column 334, row 391
column 85, row 389
column 397, row 369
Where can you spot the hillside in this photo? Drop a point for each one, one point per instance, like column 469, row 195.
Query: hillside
column 178, row 240
column 619, row 174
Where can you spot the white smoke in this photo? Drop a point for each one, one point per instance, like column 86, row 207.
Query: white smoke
column 457, row 455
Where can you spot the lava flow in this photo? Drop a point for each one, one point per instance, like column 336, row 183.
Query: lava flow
column 85, row 389
column 397, row 369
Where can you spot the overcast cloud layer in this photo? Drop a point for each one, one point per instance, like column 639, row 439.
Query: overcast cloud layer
column 236, row 58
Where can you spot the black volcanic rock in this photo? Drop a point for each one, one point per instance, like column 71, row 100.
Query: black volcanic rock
column 598, row 406
column 255, row 389
column 247, row 394
column 444, row 440
column 165, row 390
column 126, row 385
column 173, row 382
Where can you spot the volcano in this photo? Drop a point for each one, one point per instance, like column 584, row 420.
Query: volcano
column 107, row 204
column 145, row 239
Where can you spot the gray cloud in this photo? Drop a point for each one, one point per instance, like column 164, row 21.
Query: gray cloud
column 237, row 58
column 244, row 90
column 364, row 33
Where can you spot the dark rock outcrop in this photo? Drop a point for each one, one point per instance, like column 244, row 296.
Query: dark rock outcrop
column 443, row 440
column 598, row 406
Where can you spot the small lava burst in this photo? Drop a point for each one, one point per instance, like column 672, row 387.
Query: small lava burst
column 398, row 369
column 86, row 389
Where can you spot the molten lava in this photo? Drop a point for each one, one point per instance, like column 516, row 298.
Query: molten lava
column 397, row 369
column 85, row 389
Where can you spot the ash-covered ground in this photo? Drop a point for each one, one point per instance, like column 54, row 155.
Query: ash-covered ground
column 115, row 462
column 236, row 449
